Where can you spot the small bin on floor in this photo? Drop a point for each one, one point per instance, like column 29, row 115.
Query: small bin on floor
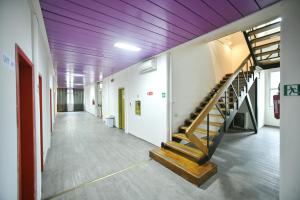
column 110, row 121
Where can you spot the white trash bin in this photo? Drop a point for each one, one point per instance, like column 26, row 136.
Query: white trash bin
column 110, row 121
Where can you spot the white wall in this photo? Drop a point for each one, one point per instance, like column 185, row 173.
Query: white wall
column 290, row 106
column 240, row 49
column 89, row 96
column 151, row 125
column 19, row 25
column 261, row 100
column 195, row 71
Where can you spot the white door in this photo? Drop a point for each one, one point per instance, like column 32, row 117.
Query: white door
column 272, row 82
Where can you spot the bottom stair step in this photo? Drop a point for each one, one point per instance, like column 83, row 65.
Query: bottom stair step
column 191, row 171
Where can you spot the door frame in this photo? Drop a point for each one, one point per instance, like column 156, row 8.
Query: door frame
column 19, row 54
column 51, row 110
column 121, row 108
column 41, row 120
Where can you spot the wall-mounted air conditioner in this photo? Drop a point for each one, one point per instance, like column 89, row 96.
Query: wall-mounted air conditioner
column 148, row 66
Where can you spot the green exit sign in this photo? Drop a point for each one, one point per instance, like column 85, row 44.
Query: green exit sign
column 292, row 90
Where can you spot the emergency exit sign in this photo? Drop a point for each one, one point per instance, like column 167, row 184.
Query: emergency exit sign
column 292, row 90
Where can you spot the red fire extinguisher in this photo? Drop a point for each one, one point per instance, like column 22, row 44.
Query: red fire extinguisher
column 276, row 101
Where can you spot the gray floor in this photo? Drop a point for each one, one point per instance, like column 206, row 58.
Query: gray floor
column 83, row 149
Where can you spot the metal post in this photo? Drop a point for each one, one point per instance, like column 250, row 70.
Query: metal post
column 207, row 132
column 247, row 69
column 238, row 84
column 256, row 100
column 225, row 110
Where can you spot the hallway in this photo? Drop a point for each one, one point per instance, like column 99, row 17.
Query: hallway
column 84, row 149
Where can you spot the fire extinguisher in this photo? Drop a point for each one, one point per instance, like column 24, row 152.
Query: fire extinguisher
column 276, row 101
column 93, row 102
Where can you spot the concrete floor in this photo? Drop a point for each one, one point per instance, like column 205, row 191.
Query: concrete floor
column 83, row 149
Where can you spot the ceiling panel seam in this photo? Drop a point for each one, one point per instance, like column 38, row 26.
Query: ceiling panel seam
column 72, row 11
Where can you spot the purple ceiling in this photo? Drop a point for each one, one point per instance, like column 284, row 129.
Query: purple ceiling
column 82, row 33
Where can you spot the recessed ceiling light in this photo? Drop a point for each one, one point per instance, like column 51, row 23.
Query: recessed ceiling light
column 127, row 46
column 74, row 75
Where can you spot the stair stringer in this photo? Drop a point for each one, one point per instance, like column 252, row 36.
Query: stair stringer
column 230, row 118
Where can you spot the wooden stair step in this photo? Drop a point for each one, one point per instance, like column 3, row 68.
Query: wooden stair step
column 215, row 115
column 223, row 103
column 266, row 45
column 180, row 136
column 183, row 136
column 270, row 61
column 266, row 37
column 214, row 108
column 228, row 97
column 241, row 79
column 230, row 74
column 195, row 114
column 210, row 123
column 267, row 53
column 264, row 28
column 217, row 124
column 189, row 170
column 202, row 131
column 193, row 153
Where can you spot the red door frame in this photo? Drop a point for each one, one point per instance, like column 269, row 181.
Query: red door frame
column 26, row 126
column 41, row 120
column 51, row 110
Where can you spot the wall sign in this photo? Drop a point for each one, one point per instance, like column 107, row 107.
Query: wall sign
column 149, row 93
column 292, row 90
column 138, row 107
column 5, row 60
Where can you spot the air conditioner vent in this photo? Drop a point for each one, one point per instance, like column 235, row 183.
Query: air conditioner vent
column 148, row 66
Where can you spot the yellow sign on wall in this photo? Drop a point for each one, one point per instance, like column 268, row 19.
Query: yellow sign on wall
column 138, row 107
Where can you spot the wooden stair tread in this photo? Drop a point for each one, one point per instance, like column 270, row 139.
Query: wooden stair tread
column 211, row 123
column 210, row 115
column 223, row 103
column 267, row 52
column 202, row 131
column 270, row 61
column 264, row 28
column 191, row 171
column 266, row 45
column 218, row 124
column 214, row 108
column 182, row 136
column 266, row 37
column 215, row 115
column 189, row 151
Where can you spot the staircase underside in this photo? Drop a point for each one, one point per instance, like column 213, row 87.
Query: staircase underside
column 191, row 171
column 269, row 64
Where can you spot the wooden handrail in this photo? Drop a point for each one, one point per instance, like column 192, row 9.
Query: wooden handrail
column 207, row 108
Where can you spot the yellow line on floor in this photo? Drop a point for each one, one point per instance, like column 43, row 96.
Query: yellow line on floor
column 96, row 180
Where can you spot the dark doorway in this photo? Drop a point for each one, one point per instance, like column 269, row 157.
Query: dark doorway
column 26, row 124
column 121, row 108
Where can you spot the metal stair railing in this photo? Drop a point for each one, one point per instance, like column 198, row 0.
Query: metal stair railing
column 244, row 71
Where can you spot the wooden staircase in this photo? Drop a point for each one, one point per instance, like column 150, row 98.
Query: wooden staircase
column 264, row 44
column 191, row 148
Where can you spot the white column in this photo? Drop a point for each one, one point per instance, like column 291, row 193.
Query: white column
column 290, row 106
